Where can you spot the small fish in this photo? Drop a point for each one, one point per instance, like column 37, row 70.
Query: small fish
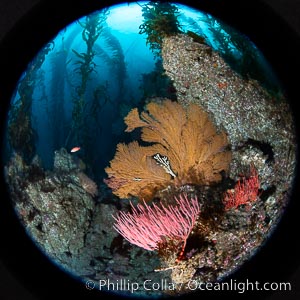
column 75, row 149
column 222, row 85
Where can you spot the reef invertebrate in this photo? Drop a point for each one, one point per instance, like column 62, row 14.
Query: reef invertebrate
column 149, row 226
column 185, row 148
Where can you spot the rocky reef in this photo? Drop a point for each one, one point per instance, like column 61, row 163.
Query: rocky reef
column 69, row 215
column 261, row 133
column 71, row 224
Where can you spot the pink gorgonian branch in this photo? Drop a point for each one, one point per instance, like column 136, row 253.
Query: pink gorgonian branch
column 148, row 226
column 245, row 191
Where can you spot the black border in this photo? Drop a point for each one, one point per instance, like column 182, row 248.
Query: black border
column 277, row 261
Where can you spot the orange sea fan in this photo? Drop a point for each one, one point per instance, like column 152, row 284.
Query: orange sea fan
column 133, row 171
column 185, row 148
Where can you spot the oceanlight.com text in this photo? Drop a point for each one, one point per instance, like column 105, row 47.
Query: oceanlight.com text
column 192, row 285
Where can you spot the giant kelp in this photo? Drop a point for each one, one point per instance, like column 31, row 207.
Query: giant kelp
column 21, row 133
column 116, row 61
column 85, row 65
column 160, row 20
column 91, row 95
column 60, row 80
column 239, row 52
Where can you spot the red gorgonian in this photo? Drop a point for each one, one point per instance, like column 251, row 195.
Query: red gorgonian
column 245, row 191
column 148, row 226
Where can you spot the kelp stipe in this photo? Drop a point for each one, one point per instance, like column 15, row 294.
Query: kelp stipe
column 22, row 136
column 160, row 20
column 84, row 66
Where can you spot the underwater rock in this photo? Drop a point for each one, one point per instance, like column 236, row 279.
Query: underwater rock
column 59, row 213
column 70, row 216
column 63, row 161
column 88, row 184
column 54, row 208
column 245, row 109
column 261, row 134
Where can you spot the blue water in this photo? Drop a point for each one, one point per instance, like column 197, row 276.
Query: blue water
column 114, row 84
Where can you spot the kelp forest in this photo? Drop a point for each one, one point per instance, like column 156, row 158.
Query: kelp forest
column 73, row 83
column 149, row 140
column 78, row 88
